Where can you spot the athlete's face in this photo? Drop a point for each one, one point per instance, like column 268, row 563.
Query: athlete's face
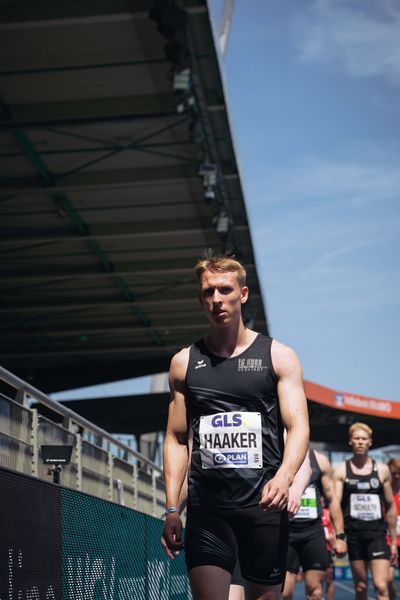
column 360, row 441
column 222, row 297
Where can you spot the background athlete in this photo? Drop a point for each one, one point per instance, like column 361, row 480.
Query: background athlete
column 238, row 390
column 364, row 488
column 307, row 546
column 394, row 468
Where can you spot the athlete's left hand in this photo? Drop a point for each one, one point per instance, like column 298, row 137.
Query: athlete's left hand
column 340, row 548
column 393, row 555
column 275, row 494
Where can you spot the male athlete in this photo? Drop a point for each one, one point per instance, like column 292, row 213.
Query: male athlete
column 307, row 546
column 364, row 488
column 237, row 390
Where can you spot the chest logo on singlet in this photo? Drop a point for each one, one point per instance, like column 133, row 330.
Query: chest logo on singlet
column 374, row 482
column 199, row 364
column 231, row 440
column 251, row 365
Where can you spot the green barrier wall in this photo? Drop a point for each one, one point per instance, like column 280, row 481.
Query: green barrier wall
column 60, row 544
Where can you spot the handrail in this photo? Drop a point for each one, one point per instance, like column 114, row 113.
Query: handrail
column 30, row 390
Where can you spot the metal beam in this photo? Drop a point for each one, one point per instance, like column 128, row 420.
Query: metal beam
column 34, row 13
column 184, row 173
column 170, row 229
column 106, row 305
column 81, row 112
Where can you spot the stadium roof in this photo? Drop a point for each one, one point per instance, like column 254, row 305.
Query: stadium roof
column 117, row 171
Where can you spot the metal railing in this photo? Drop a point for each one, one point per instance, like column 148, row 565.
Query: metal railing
column 100, row 465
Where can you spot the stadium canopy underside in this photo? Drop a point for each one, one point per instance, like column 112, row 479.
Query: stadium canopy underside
column 117, row 170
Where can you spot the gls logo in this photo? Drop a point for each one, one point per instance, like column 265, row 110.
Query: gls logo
column 234, row 420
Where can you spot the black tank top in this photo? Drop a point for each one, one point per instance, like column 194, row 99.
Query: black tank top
column 311, row 507
column 362, row 501
column 236, row 424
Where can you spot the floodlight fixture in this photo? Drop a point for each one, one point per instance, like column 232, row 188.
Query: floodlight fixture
column 209, row 193
column 223, row 223
column 181, row 80
column 187, row 103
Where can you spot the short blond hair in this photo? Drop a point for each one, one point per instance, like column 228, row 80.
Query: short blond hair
column 221, row 264
column 359, row 425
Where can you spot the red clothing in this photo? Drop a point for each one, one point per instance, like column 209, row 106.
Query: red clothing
column 328, row 530
column 397, row 502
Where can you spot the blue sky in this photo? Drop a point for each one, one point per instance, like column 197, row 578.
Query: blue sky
column 313, row 91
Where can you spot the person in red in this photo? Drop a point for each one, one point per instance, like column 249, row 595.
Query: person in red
column 394, row 468
column 329, row 540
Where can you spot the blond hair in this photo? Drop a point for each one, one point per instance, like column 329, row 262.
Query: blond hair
column 221, row 264
column 362, row 426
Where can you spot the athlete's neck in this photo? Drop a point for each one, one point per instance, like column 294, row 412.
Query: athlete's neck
column 361, row 461
column 229, row 341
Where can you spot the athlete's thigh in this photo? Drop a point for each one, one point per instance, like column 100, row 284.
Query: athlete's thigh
column 209, row 540
column 289, row 585
column 262, row 544
column 209, row 582
column 292, row 559
column 380, row 570
column 377, row 547
column 312, row 552
column 359, row 570
column 356, row 547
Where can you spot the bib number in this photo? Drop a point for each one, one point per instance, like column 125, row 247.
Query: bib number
column 365, row 507
column 308, row 505
column 231, row 440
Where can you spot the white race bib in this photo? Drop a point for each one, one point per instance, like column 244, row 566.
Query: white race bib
column 231, row 440
column 308, row 505
column 365, row 507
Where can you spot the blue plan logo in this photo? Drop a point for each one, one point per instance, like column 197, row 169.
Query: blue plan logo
column 231, row 458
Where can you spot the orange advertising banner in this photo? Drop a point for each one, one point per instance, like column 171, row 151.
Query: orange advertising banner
column 352, row 402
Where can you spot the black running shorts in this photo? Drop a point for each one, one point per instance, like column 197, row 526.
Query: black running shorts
column 307, row 549
column 258, row 539
column 364, row 544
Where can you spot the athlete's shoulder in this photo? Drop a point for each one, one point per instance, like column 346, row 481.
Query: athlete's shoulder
column 383, row 471
column 339, row 472
column 323, row 462
column 179, row 363
column 284, row 358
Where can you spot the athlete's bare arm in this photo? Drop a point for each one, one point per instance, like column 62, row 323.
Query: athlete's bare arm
column 335, row 511
column 391, row 510
column 176, row 447
column 339, row 475
column 293, row 408
column 298, row 486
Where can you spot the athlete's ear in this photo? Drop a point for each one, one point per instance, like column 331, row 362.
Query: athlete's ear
column 245, row 294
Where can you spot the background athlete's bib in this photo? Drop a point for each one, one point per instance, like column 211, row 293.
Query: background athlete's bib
column 231, row 440
column 365, row 507
column 308, row 505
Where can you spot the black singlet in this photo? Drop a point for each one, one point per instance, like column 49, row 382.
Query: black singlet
column 236, row 424
column 310, row 507
column 362, row 501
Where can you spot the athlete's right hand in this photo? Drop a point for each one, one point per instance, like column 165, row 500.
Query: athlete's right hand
column 171, row 540
column 275, row 494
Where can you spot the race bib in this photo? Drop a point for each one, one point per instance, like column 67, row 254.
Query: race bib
column 231, row 440
column 365, row 507
column 308, row 505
